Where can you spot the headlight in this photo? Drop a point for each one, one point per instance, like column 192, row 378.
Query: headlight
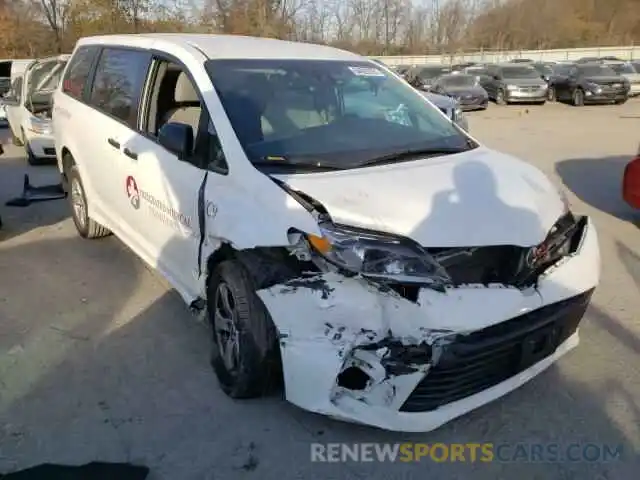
column 512, row 87
column 377, row 255
column 40, row 126
column 594, row 87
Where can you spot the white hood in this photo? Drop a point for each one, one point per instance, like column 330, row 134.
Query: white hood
column 475, row 198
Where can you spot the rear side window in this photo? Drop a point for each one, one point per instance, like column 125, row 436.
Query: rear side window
column 76, row 76
column 117, row 86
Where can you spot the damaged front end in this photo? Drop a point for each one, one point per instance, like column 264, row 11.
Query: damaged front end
column 406, row 337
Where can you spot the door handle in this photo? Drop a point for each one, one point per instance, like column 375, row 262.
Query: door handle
column 113, row 143
column 130, row 154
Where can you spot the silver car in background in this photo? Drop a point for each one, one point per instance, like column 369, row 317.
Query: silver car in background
column 628, row 71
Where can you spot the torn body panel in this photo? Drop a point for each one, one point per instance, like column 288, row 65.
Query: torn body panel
column 359, row 352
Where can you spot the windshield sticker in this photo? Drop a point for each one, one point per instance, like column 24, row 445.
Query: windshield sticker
column 399, row 115
column 366, row 72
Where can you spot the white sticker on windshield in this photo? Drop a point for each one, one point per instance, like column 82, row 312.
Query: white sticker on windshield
column 366, row 72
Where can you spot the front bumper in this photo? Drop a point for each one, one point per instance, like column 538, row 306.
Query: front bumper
column 634, row 90
column 517, row 96
column 356, row 353
column 604, row 96
column 470, row 104
column 40, row 146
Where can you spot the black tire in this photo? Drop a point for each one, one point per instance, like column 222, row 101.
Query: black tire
column 15, row 140
column 500, row 98
column 256, row 366
column 551, row 95
column 87, row 228
column 541, row 103
column 621, row 101
column 577, row 99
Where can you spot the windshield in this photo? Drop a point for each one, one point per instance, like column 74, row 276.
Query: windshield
column 622, row 68
column 433, row 72
column 597, row 71
column 333, row 113
column 519, row 72
column 458, row 80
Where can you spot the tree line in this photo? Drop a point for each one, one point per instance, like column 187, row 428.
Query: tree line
column 32, row 28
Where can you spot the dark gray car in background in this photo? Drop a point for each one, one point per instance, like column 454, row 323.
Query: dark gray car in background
column 423, row 76
column 464, row 88
column 514, row 83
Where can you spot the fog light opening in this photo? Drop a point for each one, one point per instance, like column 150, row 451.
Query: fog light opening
column 353, row 378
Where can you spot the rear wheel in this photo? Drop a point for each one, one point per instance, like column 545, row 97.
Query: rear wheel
column 87, row 228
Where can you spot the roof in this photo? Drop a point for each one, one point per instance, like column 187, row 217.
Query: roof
column 228, row 46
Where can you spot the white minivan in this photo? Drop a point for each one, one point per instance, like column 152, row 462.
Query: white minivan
column 28, row 108
column 341, row 235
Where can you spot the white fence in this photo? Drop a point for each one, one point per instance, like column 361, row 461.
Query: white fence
column 626, row 53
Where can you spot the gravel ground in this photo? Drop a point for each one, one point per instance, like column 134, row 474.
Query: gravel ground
column 100, row 360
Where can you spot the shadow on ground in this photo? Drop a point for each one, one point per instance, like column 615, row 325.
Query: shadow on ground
column 598, row 182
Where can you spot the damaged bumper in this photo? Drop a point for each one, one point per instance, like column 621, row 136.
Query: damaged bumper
column 354, row 352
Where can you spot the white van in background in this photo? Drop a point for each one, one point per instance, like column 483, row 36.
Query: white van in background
column 28, row 108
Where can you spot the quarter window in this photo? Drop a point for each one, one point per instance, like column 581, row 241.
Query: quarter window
column 118, row 83
column 77, row 74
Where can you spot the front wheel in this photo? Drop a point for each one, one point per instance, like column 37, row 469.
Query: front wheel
column 500, row 97
column 87, row 228
column 578, row 98
column 551, row 94
column 245, row 351
column 621, row 101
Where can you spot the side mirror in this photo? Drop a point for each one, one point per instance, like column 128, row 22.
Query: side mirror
column 177, row 138
column 10, row 101
column 496, row 77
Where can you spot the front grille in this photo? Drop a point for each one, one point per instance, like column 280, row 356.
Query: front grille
column 487, row 357
column 50, row 151
column 533, row 88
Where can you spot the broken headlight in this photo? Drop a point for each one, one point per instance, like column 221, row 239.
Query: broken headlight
column 377, row 255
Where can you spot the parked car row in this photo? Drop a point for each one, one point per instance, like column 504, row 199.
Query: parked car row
column 588, row 80
column 27, row 107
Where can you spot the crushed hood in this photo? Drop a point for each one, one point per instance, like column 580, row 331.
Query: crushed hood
column 475, row 198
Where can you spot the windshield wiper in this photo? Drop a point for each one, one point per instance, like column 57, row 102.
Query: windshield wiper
column 411, row 153
column 293, row 166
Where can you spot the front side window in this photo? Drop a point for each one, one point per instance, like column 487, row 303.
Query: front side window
column 622, row 68
column 77, row 74
column 334, row 113
column 118, row 83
